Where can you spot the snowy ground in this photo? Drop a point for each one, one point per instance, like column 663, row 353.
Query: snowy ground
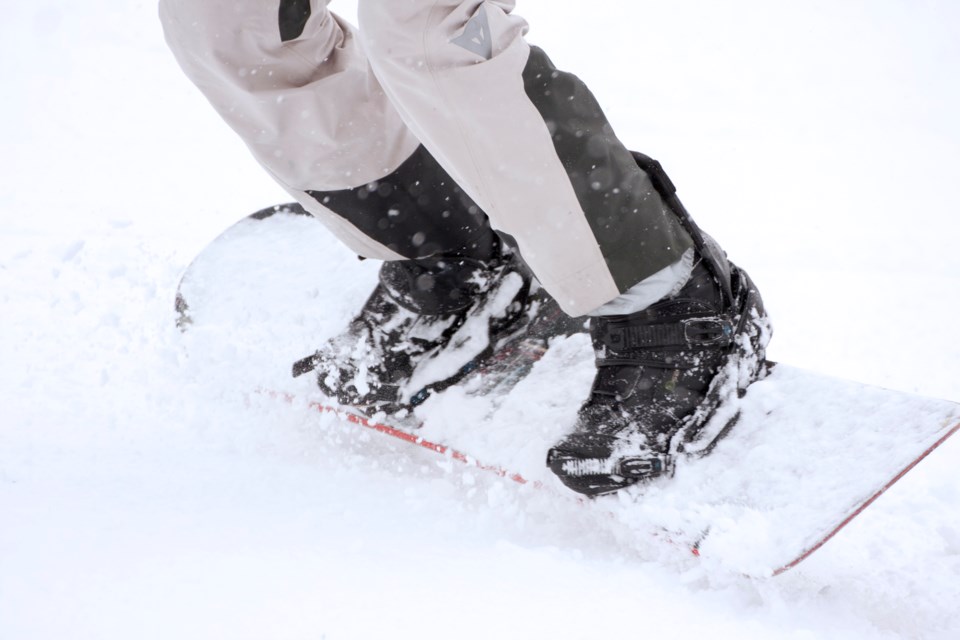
column 141, row 497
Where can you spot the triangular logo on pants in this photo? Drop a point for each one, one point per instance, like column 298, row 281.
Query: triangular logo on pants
column 476, row 35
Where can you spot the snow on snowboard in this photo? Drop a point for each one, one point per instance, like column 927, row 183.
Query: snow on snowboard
column 807, row 454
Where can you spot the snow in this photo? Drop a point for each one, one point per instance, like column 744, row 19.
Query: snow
column 144, row 493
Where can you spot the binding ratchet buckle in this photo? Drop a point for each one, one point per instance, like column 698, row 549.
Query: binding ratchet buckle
column 707, row 331
column 639, row 467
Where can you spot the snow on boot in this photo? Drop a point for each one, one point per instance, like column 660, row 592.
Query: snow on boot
column 427, row 324
column 661, row 376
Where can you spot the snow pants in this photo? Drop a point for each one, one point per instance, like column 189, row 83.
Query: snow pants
column 434, row 121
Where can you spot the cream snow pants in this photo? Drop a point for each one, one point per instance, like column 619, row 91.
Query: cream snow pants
column 334, row 113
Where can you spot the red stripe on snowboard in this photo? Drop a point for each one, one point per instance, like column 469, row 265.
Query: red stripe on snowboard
column 410, row 438
column 868, row 502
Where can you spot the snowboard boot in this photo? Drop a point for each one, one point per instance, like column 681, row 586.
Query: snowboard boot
column 668, row 377
column 426, row 325
column 661, row 376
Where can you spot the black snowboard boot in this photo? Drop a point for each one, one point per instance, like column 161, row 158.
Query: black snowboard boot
column 667, row 377
column 427, row 324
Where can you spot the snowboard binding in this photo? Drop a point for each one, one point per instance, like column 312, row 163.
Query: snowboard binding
column 407, row 343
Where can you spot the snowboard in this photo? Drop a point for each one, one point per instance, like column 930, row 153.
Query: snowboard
column 806, row 455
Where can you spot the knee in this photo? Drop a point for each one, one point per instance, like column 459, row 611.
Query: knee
column 214, row 31
column 228, row 37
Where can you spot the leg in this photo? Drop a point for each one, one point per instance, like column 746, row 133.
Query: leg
column 529, row 144
column 680, row 330
column 291, row 79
